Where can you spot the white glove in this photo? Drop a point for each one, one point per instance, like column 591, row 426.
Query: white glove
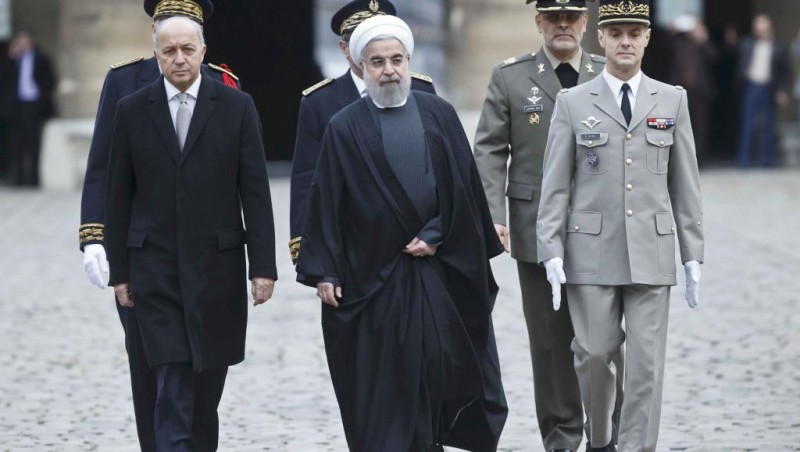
column 692, row 269
column 96, row 265
column 556, row 277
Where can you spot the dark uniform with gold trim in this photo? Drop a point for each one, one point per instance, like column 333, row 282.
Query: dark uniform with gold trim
column 122, row 79
column 323, row 100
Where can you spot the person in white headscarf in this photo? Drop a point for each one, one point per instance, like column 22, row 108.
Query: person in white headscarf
column 397, row 242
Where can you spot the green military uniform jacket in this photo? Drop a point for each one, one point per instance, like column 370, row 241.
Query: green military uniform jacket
column 514, row 122
column 614, row 196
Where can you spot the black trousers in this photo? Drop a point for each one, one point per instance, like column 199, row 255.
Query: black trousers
column 24, row 143
column 186, row 417
column 143, row 380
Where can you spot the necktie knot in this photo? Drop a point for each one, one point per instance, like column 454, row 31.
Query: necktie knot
column 625, row 88
column 183, row 97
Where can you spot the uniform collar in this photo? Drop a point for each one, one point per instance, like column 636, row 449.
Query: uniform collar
column 575, row 61
column 361, row 87
column 615, row 84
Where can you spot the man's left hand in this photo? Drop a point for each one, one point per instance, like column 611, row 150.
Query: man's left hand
column 261, row 288
column 418, row 248
column 692, row 269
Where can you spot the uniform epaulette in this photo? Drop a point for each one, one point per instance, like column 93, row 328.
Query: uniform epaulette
column 597, row 58
column 319, row 85
column 564, row 90
column 126, row 63
column 518, row 59
column 679, row 87
column 223, row 70
column 422, row 77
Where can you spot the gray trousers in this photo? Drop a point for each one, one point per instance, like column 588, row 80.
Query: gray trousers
column 597, row 313
column 556, row 390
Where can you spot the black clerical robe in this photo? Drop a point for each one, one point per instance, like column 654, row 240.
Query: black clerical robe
column 411, row 348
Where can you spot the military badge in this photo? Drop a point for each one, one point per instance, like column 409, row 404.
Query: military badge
column 591, row 158
column 541, row 67
column 534, row 119
column 660, row 123
column 533, row 108
column 589, row 68
column 591, row 122
column 534, row 99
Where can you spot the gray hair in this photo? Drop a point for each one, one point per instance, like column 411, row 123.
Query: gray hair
column 159, row 25
column 363, row 55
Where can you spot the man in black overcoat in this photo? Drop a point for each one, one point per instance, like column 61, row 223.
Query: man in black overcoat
column 186, row 165
column 122, row 79
column 397, row 242
column 323, row 100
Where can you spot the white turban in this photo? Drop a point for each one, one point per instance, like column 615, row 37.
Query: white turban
column 380, row 26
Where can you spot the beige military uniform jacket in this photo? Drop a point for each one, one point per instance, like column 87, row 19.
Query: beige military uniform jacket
column 514, row 122
column 614, row 197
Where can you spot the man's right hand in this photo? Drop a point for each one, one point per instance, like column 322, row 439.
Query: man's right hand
column 96, row 265
column 502, row 234
column 556, row 277
column 328, row 293
column 124, row 295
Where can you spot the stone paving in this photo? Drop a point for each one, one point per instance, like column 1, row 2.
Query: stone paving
column 733, row 365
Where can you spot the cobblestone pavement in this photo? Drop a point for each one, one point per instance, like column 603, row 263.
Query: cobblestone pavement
column 733, row 365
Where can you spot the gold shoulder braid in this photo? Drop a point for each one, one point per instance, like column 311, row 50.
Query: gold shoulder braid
column 317, row 86
column 126, row 63
column 422, row 77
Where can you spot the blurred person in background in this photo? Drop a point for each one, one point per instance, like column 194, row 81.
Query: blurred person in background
column 26, row 103
column 764, row 76
column 795, row 50
column 696, row 57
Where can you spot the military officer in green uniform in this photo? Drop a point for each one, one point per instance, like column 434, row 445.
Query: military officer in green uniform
column 509, row 150
column 620, row 186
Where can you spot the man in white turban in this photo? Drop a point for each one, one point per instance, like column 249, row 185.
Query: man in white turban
column 397, row 242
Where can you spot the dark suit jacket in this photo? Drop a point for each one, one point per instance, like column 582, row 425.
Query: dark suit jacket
column 316, row 110
column 121, row 80
column 43, row 75
column 779, row 80
column 174, row 221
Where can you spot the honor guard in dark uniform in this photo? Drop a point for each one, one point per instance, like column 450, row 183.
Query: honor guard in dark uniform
column 121, row 80
column 323, row 100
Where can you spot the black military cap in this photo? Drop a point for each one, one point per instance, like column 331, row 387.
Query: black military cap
column 559, row 5
column 350, row 15
column 624, row 11
column 197, row 10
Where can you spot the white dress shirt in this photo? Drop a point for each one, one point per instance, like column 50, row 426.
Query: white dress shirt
column 615, row 85
column 172, row 97
column 27, row 90
column 760, row 64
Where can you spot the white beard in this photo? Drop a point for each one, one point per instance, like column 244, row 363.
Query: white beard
column 390, row 94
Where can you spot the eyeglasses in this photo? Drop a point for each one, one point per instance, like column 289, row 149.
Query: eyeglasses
column 380, row 63
column 557, row 18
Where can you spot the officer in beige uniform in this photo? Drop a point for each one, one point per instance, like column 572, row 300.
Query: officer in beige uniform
column 620, row 183
column 514, row 124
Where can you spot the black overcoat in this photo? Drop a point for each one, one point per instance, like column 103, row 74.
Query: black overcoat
column 411, row 348
column 174, row 226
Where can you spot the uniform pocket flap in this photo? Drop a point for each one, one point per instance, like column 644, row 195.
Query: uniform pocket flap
column 136, row 238
column 664, row 223
column 591, row 139
column 585, row 222
column 518, row 190
column 659, row 139
column 230, row 239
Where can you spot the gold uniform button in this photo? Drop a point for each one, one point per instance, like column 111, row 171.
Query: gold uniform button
column 629, row 187
column 628, row 137
column 630, row 213
column 661, row 143
column 591, row 142
column 673, row 229
column 629, row 162
column 577, row 228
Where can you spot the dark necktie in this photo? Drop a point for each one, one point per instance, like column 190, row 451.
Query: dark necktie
column 626, row 103
column 567, row 75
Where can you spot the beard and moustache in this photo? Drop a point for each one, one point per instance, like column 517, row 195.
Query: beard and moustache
column 389, row 94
